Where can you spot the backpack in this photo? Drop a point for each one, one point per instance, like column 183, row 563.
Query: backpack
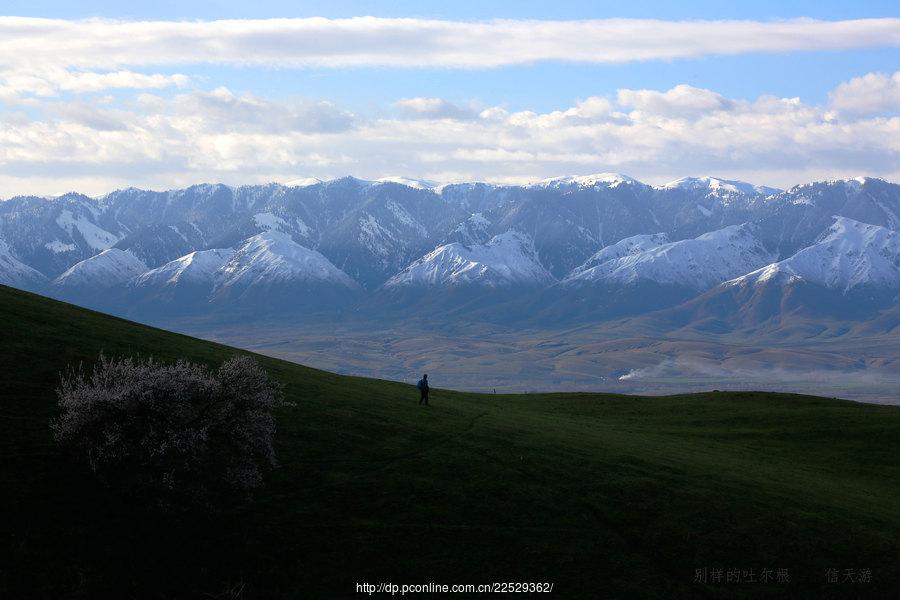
column 421, row 385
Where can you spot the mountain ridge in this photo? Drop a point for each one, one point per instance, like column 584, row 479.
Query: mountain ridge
column 638, row 242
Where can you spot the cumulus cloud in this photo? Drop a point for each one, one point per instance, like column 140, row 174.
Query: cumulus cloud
column 91, row 116
column 97, row 44
column 654, row 135
column 872, row 93
column 435, row 108
column 591, row 107
column 222, row 110
column 681, row 100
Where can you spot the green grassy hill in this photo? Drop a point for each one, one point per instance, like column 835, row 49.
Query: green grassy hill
column 605, row 496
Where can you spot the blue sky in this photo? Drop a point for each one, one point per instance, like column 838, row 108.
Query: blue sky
column 492, row 110
column 542, row 86
column 459, row 9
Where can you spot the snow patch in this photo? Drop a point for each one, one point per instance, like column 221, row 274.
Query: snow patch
column 96, row 237
column 478, row 219
column 407, row 219
column 374, row 237
column 302, row 227
column 57, row 247
column 268, row 221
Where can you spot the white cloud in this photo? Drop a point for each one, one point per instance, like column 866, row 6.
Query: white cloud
column 869, row 94
column 681, row 100
column 97, row 44
column 654, row 135
column 93, row 82
column 51, row 81
column 592, row 107
column 92, row 116
column 221, row 110
column 435, row 108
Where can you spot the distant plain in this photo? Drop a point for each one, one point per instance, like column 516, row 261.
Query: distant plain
column 620, row 356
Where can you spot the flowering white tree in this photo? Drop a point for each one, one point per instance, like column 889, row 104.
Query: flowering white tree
column 174, row 433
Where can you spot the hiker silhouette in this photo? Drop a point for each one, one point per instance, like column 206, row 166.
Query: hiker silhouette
column 423, row 389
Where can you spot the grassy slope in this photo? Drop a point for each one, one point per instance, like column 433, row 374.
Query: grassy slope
column 603, row 495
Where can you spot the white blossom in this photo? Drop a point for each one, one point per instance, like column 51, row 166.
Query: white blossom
column 174, row 433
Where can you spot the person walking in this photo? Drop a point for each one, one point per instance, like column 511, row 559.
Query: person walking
column 423, row 390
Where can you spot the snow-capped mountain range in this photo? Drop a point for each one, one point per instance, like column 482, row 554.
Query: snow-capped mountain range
column 587, row 240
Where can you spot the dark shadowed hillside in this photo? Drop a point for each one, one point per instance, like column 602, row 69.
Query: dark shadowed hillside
column 603, row 495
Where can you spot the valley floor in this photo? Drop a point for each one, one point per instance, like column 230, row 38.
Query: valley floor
column 605, row 357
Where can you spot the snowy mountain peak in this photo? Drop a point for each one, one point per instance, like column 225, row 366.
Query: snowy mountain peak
column 273, row 257
column 348, row 180
column 507, row 259
column 16, row 273
column 845, row 228
column 714, row 185
column 473, row 229
column 419, row 184
column 850, row 184
column 465, row 187
column 106, row 269
column 304, row 182
column 199, row 267
column 626, row 247
column 610, row 180
column 856, row 184
column 699, row 263
column 848, row 255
